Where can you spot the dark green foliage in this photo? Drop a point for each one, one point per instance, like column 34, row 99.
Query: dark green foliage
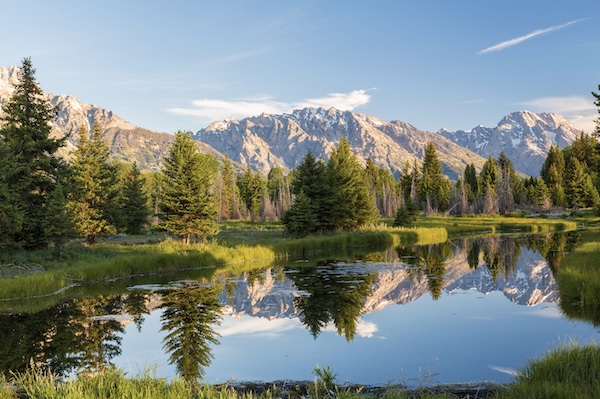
column 93, row 186
column 302, row 218
column 337, row 193
column 471, row 183
column 11, row 208
column 488, row 176
column 134, row 202
column 229, row 198
column 434, row 188
column 332, row 297
column 581, row 191
column 352, row 205
column 553, row 173
column 188, row 205
column 251, row 186
column 406, row 215
column 30, row 165
column 61, row 226
column 190, row 314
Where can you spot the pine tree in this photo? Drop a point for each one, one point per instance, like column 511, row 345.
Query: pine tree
column 314, row 195
column 134, row 202
column 188, row 205
column 61, row 226
column 251, row 186
column 229, row 192
column 93, row 182
column 470, row 181
column 580, row 189
column 11, row 209
column 434, row 189
column 352, row 205
column 488, row 178
column 25, row 130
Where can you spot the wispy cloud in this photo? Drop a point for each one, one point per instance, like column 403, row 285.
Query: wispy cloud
column 211, row 109
column 580, row 111
column 521, row 39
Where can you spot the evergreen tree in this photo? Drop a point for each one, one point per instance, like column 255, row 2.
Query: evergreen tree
column 93, row 182
column 580, row 189
column 553, row 173
column 488, row 178
column 434, row 188
column 597, row 103
column 251, row 186
column 25, row 130
column 11, row 209
column 352, row 205
column 134, row 202
column 302, row 217
column 188, row 205
column 61, row 226
column 311, row 209
column 470, row 182
column 229, row 198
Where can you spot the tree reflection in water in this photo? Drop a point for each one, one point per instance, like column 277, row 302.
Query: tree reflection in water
column 427, row 261
column 332, row 293
column 84, row 334
column 190, row 312
column 73, row 336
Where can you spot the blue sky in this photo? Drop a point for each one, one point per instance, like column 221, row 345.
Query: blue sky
column 179, row 65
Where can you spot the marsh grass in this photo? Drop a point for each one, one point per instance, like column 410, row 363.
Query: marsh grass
column 579, row 275
column 569, row 371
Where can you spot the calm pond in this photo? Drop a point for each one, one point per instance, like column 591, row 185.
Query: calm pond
column 468, row 310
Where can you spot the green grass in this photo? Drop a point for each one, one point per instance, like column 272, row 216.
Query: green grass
column 567, row 372
column 240, row 246
column 579, row 275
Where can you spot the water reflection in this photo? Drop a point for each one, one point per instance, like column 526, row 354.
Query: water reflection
column 190, row 314
column 74, row 336
column 85, row 334
column 331, row 293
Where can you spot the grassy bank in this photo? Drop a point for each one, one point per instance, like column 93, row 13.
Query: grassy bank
column 579, row 275
column 240, row 246
column 113, row 261
column 567, row 372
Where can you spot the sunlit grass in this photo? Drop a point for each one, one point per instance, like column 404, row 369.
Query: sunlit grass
column 569, row 371
column 579, row 275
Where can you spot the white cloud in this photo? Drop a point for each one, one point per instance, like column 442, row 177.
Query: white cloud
column 211, row 110
column 521, row 39
column 580, row 111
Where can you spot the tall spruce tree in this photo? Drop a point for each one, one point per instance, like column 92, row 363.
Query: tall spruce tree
column 134, row 201
column 31, row 178
column 553, row 173
column 352, row 204
column 310, row 211
column 91, row 200
column 188, row 205
column 434, row 188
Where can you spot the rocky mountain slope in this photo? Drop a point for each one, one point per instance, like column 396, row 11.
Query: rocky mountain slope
column 283, row 140
column 525, row 137
column 127, row 142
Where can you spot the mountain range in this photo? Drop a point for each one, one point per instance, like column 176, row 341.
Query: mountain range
column 282, row 140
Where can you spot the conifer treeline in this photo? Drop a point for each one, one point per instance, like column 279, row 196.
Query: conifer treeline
column 45, row 201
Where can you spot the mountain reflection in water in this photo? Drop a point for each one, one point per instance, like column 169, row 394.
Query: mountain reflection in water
column 263, row 317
